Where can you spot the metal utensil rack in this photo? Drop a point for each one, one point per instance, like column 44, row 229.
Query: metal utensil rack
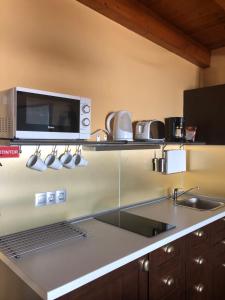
column 17, row 245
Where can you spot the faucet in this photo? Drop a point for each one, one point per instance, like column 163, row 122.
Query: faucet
column 175, row 193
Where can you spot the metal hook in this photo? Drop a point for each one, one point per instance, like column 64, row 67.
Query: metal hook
column 37, row 151
column 54, row 149
column 67, row 148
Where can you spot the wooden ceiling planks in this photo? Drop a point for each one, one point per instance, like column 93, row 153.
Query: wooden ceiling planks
column 144, row 21
column 202, row 20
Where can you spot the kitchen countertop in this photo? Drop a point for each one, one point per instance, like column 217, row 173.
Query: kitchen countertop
column 58, row 270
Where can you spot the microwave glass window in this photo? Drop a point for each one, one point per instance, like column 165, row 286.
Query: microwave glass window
column 47, row 113
column 36, row 113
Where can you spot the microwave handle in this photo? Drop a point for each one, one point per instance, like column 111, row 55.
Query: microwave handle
column 108, row 121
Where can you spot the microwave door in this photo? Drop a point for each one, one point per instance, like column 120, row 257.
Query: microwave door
column 47, row 117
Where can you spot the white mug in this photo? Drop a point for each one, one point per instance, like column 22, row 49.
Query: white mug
column 67, row 160
column 80, row 161
column 36, row 163
column 53, row 162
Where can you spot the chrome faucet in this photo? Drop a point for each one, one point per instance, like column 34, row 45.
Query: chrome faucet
column 175, row 193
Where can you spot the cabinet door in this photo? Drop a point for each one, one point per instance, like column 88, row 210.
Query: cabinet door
column 126, row 283
column 219, row 278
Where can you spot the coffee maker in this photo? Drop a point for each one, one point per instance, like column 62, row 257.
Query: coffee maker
column 174, row 129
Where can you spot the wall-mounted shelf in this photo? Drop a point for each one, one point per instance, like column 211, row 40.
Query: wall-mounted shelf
column 95, row 146
column 110, row 146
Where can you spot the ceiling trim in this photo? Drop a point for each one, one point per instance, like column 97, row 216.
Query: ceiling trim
column 145, row 22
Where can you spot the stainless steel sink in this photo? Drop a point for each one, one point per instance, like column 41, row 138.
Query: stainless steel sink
column 200, row 204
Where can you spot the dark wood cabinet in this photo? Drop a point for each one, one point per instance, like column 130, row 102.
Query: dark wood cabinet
column 205, row 108
column 167, row 272
column 190, row 268
column 129, row 282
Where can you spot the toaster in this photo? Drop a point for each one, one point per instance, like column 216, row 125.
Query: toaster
column 150, row 130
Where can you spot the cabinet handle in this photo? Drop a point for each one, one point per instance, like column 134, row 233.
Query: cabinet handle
column 199, row 260
column 199, row 288
column 169, row 281
column 199, row 233
column 223, row 265
column 223, row 242
column 169, row 249
column 223, row 219
column 144, row 264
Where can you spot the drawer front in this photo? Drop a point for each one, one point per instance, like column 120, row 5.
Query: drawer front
column 166, row 280
column 199, row 264
column 199, row 239
column 170, row 251
column 218, row 237
column 218, row 225
column 199, row 290
column 219, row 277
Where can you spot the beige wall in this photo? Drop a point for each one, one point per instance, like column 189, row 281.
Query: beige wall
column 64, row 46
column 215, row 73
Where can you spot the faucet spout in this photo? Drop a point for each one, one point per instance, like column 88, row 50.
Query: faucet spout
column 175, row 193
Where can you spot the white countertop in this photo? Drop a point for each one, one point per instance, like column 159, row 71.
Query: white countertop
column 58, row 270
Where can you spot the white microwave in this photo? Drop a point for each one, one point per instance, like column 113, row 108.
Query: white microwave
column 34, row 114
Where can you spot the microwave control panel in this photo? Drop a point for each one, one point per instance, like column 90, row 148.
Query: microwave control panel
column 85, row 116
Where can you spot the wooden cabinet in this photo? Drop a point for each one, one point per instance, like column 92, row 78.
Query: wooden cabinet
column 126, row 283
column 167, row 272
column 218, row 259
column 190, row 268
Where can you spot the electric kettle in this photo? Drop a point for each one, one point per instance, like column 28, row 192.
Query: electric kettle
column 119, row 126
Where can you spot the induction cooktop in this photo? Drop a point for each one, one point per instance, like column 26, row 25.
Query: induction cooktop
column 141, row 225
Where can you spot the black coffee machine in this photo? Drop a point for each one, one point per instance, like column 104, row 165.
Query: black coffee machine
column 174, row 129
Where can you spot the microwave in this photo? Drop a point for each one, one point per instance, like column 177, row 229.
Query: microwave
column 35, row 114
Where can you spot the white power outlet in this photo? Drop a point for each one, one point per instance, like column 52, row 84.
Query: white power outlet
column 50, row 198
column 40, row 199
column 60, row 196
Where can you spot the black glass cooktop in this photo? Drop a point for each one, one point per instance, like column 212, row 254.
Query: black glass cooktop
column 135, row 223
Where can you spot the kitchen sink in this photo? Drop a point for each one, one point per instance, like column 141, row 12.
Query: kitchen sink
column 200, row 204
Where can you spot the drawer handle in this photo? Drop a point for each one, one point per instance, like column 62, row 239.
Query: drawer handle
column 144, row 264
column 169, row 281
column 199, row 288
column 199, row 233
column 199, row 260
column 223, row 265
column 223, row 242
column 169, row 249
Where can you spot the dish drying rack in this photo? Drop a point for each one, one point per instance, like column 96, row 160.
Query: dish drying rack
column 17, row 245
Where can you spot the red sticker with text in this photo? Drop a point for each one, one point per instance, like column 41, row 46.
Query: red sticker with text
column 9, row 151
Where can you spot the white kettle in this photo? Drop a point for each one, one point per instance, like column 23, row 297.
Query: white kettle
column 119, row 126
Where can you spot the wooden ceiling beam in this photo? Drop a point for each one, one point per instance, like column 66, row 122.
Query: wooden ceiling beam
column 221, row 3
column 140, row 19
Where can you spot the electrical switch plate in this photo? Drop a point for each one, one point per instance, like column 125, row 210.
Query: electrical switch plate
column 50, row 198
column 40, row 199
column 60, row 196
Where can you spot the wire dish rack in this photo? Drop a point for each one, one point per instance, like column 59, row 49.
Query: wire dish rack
column 17, row 245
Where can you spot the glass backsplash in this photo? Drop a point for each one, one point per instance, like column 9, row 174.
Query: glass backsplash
column 110, row 180
column 206, row 169
column 89, row 189
column 137, row 180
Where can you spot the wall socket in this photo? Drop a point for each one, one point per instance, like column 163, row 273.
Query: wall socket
column 40, row 199
column 60, row 196
column 50, row 198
